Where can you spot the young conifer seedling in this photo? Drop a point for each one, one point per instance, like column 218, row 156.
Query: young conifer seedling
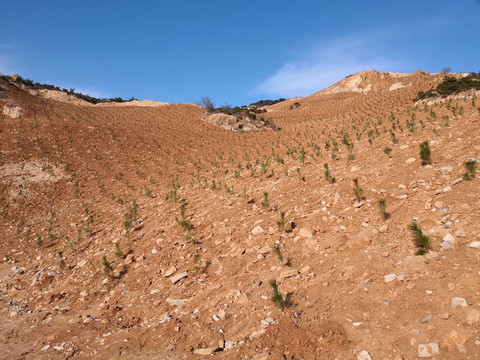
column 118, row 251
column 265, row 203
column 425, row 153
column 471, row 168
column 107, row 268
column 382, row 205
column 277, row 298
column 422, row 242
column 281, row 222
column 328, row 176
column 357, row 190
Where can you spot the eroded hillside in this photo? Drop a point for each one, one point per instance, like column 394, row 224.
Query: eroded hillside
column 196, row 212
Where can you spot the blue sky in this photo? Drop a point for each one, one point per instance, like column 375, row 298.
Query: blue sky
column 235, row 52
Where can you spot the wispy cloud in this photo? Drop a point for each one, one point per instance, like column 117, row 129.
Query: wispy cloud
column 330, row 62
column 8, row 65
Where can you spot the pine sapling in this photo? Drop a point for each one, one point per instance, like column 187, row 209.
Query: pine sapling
column 61, row 261
column 107, row 268
column 277, row 298
column 382, row 205
column 425, row 153
column 357, row 190
column 471, row 168
column 278, row 252
column 265, row 203
column 422, row 241
column 328, row 176
column 281, row 222
column 118, row 251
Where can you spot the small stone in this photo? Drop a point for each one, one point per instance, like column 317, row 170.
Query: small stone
column 438, row 204
column 446, row 245
column 475, row 245
column 178, row 277
column 473, row 316
column 45, row 348
column 242, row 299
column 446, row 170
column 364, row 355
column 445, row 316
column 229, row 344
column 459, row 302
column 170, row 271
column 129, row 259
column 305, row 233
column 428, row 350
column 437, row 191
column 410, row 160
column 449, row 238
column 206, row 351
column 460, row 233
column 385, row 254
column 176, row 302
column 358, row 204
column 288, row 273
column 265, row 250
column 154, row 251
column 447, row 189
column 457, row 181
column 451, row 286
column 390, row 277
column 257, row 230
column 426, row 319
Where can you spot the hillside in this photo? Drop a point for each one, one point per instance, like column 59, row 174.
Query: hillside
column 196, row 212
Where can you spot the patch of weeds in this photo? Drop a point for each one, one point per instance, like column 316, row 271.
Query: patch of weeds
column 387, row 150
column 130, row 218
column 328, row 176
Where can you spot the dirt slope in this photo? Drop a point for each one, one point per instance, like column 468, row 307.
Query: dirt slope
column 193, row 280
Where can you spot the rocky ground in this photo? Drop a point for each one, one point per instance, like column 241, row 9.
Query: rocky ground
column 196, row 213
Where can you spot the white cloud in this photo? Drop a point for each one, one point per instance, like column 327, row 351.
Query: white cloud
column 330, row 62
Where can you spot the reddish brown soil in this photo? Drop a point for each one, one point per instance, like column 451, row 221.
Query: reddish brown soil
column 61, row 163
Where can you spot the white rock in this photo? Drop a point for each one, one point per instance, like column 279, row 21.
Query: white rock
column 288, row 273
column 257, row 230
column 170, row 271
column 178, row 277
column 446, row 245
column 410, row 160
column 364, row 355
column 447, row 189
column 446, row 170
column 460, row 233
column 305, row 233
column 475, row 245
column 390, row 277
column 457, row 181
column 428, row 350
column 176, row 302
column 459, row 302
column 449, row 238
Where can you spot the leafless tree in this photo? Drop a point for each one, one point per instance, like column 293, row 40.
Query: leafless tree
column 446, row 70
column 207, row 104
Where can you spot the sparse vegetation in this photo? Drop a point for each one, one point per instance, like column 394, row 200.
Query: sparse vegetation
column 471, row 168
column 107, row 268
column 277, row 298
column 425, row 153
column 382, row 205
column 265, row 203
column 422, row 242
column 357, row 190
column 452, row 85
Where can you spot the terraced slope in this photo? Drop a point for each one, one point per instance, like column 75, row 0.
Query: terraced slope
column 196, row 213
